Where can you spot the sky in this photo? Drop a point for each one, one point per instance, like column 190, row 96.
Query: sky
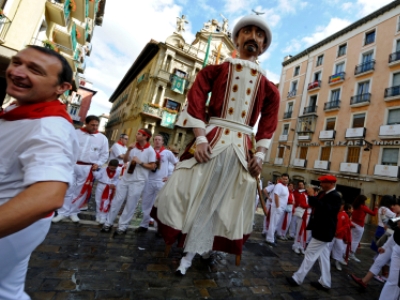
column 129, row 25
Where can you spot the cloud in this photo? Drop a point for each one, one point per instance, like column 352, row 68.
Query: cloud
column 335, row 24
column 363, row 7
column 99, row 104
column 273, row 76
column 293, row 46
column 238, row 6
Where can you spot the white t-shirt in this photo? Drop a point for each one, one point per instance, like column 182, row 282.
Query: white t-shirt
column 34, row 150
column 101, row 176
column 384, row 217
column 283, row 193
column 148, row 155
column 167, row 158
column 93, row 148
column 117, row 150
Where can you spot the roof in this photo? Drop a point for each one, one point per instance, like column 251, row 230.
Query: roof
column 351, row 27
column 145, row 56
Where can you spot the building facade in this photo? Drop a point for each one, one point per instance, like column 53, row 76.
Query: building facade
column 154, row 90
column 340, row 109
column 66, row 26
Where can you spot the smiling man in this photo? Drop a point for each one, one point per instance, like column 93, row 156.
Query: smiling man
column 208, row 203
column 37, row 155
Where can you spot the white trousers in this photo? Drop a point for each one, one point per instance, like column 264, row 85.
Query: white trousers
column 276, row 215
column 299, row 239
column 356, row 235
column 280, row 230
column 265, row 223
column 99, row 193
column 315, row 250
column 383, row 258
column 391, row 290
column 150, row 192
column 15, row 251
column 338, row 248
column 132, row 192
column 81, row 173
column 293, row 226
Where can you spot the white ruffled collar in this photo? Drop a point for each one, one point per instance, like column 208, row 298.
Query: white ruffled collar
column 246, row 63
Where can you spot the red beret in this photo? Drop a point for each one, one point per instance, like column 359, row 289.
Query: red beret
column 327, row 178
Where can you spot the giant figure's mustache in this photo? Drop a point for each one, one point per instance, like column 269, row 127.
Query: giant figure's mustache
column 251, row 46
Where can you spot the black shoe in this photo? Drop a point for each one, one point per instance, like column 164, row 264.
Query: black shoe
column 291, row 281
column 141, row 229
column 211, row 262
column 319, row 286
column 270, row 244
column 105, row 228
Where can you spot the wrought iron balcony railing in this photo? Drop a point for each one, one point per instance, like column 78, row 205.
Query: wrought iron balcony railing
column 392, row 91
column 337, row 77
column 314, row 85
column 365, row 67
column 287, row 115
column 310, row 109
column 361, row 98
column 332, row 104
column 394, row 57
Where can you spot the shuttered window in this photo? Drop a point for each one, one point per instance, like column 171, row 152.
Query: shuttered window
column 281, row 150
column 353, row 154
column 325, row 153
column 303, row 152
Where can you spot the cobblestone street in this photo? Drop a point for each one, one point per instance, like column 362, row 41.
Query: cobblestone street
column 77, row 261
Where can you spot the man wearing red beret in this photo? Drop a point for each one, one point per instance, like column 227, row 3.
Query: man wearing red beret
column 323, row 226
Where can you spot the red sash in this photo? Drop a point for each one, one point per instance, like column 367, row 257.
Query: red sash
column 106, row 193
column 119, row 143
column 303, row 230
column 36, row 111
column 87, row 186
column 147, row 145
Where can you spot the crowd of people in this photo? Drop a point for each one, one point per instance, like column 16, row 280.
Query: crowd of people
column 205, row 202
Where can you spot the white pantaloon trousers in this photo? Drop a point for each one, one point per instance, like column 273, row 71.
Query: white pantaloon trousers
column 15, row 251
column 391, row 290
column 338, row 248
column 315, row 250
column 356, row 235
column 276, row 215
column 150, row 192
column 383, row 258
column 280, row 230
column 293, row 226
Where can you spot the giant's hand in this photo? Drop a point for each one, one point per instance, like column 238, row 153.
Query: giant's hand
column 255, row 166
column 202, row 153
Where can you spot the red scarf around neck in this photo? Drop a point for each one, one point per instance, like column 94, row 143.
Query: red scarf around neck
column 110, row 173
column 120, row 143
column 36, row 111
column 147, row 145
column 158, row 153
column 85, row 130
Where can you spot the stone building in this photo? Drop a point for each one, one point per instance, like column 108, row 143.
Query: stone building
column 154, row 89
column 340, row 109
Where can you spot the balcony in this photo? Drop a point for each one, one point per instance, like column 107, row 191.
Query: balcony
column 360, row 100
column 93, row 8
column 5, row 24
column 75, row 118
column 80, row 10
column 283, row 138
column 304, row 137
column 81, row 66
column 394, row 58
column 299, row 162
column 287, row 115
column 59, row 12
column 392, row 93
column 143, row 77
column 389, row 131
column 332, row 105
column 365, row 68
column 314, row 85
column 168, row 118
column 349, row 167
column 387, row 171
column 310, row 109
column 358, row 132
column 81, row 34
column 66, row 38
column 322, row 164
column 327, row 134
column 337, row 78
column 292, row 94
column 152, row 110
column 278, row 161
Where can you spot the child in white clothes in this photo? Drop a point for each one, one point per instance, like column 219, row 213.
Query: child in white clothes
column 107, row 179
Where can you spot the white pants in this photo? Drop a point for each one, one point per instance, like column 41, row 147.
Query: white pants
column 132, row 192
column 150, row 192
column 293, row 226
column 99, row 193
column 280, row 230
column 81, row 173
column 315, row 250
column 15, row 251
column 356, row 235
column 383, row 258
column 276, row 215
column 265, row 223
column 299, row 239
column 390, row 289
column 338, row 248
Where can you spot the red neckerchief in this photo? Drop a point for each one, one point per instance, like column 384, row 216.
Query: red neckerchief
column 290, row 198
column 144, row 147
column 110, row 173
column 85, row 130
column 36, row 111
column 119, row 142
column 158, row 153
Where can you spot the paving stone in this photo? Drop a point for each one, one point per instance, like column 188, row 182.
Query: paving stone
column 42, row 295
column 157, row 268
column 81, row 295
column 205, row 283
column 260, row 290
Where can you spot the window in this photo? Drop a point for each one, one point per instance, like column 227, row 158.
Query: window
column 396, row 79
column 358, row 120
column 180, row 73
column 394, row 116
column 296, row 71
column 285, row 130
column 313, row 101
column 320, row 60
column 281, row 150
column 339, row 68
column 335, row 95
column 397, row 46
column 290, row 107
column 325, row 153
column 317, row 76
column 369, row 37
column 398, row 24
column 294, row 86
column 363, row 88
column 330, row 124
column 342, row 50
column 353, row 154
column 390, row 156
column 303, row 152
column 306, row 124
column 168, row 103
column 367, row 57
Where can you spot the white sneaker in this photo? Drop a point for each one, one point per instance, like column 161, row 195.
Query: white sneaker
column 74, row 218
column 296, row 250
column 338, row 265
column 353, row 257
column 102, row 220
column 343, row 262
column 183, row 267
column 58, row 218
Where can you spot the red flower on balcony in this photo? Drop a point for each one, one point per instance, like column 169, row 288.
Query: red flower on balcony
column 78, row 34
column 72, row 5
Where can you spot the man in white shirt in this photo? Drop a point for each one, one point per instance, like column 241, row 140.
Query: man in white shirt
column 142, row 158
column 278, row 206
column 119, row 149
column 37, row 155
column 93, row 153
column 157, row 178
